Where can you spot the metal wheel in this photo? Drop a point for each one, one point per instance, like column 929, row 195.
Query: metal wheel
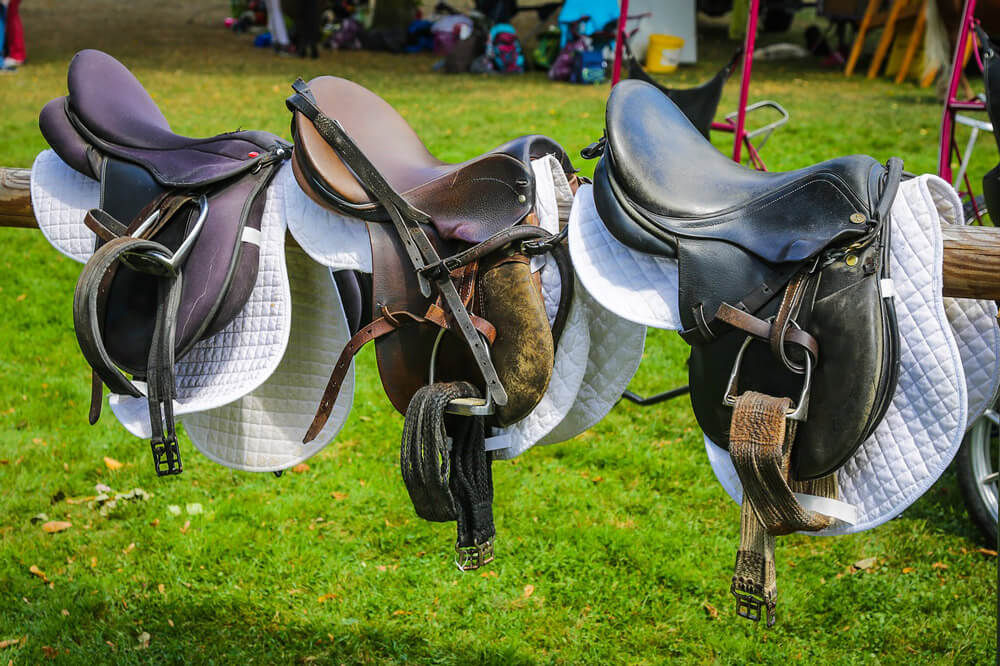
column 978, row 473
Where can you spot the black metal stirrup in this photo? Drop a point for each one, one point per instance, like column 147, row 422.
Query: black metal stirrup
column 406, row 219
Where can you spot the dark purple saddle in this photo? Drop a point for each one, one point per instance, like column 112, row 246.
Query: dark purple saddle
column 178, row 233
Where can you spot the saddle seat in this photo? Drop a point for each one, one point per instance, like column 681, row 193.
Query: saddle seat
column 668, row 181
column 469, row 201
column 112, row 111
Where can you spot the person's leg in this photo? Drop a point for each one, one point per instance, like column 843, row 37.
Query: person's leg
column 15, row 33
column 276, row 23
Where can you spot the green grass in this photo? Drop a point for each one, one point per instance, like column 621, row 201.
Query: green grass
column 623, row 534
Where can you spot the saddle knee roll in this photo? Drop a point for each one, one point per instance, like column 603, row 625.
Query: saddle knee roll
column 523, row 351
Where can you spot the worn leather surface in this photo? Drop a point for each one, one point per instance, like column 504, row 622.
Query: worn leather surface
column 672, row 182
column 523, row 351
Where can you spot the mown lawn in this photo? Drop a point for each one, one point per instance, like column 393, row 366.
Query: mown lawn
column 614, row 547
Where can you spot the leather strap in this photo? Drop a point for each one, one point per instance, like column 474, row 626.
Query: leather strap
column 760, row 445
column 762, row 329
column 387, row 323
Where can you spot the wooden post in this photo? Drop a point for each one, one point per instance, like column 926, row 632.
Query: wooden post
column 15, row 198
column 971, row 254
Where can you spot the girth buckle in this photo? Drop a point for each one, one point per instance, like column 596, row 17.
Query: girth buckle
column 469, row 558
column 797, row 412
column 166, row 456
column 749, row 606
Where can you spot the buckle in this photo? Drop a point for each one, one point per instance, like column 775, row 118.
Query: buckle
column 166, row 456
column 749, row 606
column 158, row 263
column 469, row 558
column 797, row 412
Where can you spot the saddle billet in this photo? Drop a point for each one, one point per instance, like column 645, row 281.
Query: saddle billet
column 179, row 220
column 797, row 260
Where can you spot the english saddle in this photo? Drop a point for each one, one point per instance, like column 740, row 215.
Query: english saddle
column 796, row 260
column 451, row 247
column 178, row 234
column 458, row 227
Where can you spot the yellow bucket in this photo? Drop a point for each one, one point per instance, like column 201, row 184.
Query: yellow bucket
column 664, row 53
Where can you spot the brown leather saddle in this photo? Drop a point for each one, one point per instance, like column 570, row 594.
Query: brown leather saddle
column 452, row 293
column 178, row 234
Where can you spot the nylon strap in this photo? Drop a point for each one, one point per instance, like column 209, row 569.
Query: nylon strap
column 447, row 470
column 760, row 445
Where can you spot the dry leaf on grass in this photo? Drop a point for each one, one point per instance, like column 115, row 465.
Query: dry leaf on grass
column 338, row 496
column 54, row 526
column 112, row 464
column 186, row 527
column 300, row 468
column 987, row 552
column 529, row 589
column 712, row 611
column 38, row 572
column 326, row 597
column 939, row 565
column 866, row 563
column 11, row 642
column 907, row 570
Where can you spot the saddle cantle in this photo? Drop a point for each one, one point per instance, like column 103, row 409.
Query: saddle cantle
column 796, row 260
column 356, row 155
column 740, row 236
column 178, row 233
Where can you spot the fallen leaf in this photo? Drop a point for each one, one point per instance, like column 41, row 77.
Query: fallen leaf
column 326, row 597
column 38, row 572
column 381, row 567
column 162, row 588
column 21, row 298
column 529, row 589
column 112, row 464
column 10, row 642
column 50, row 652
column 866, row 563
column 939, row 565
column 129, row 548
column 155, row 522
column 489, row 574
column 186, row 527
column 170, row 622
column 300, row 468
column 338, row 496
column 79, row 500
column 987, row 552
column 712, row 611
column 65, row 612
column 93, row 562
column 54, row 526
column 907, row 570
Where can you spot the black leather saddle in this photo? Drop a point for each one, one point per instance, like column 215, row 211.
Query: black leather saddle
column 798, row 260
column 178, row 233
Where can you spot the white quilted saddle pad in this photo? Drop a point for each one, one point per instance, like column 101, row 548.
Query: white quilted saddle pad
column 941, row 347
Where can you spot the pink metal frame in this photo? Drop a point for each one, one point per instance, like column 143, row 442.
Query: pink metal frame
column 952, row 104
column 740, row 138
